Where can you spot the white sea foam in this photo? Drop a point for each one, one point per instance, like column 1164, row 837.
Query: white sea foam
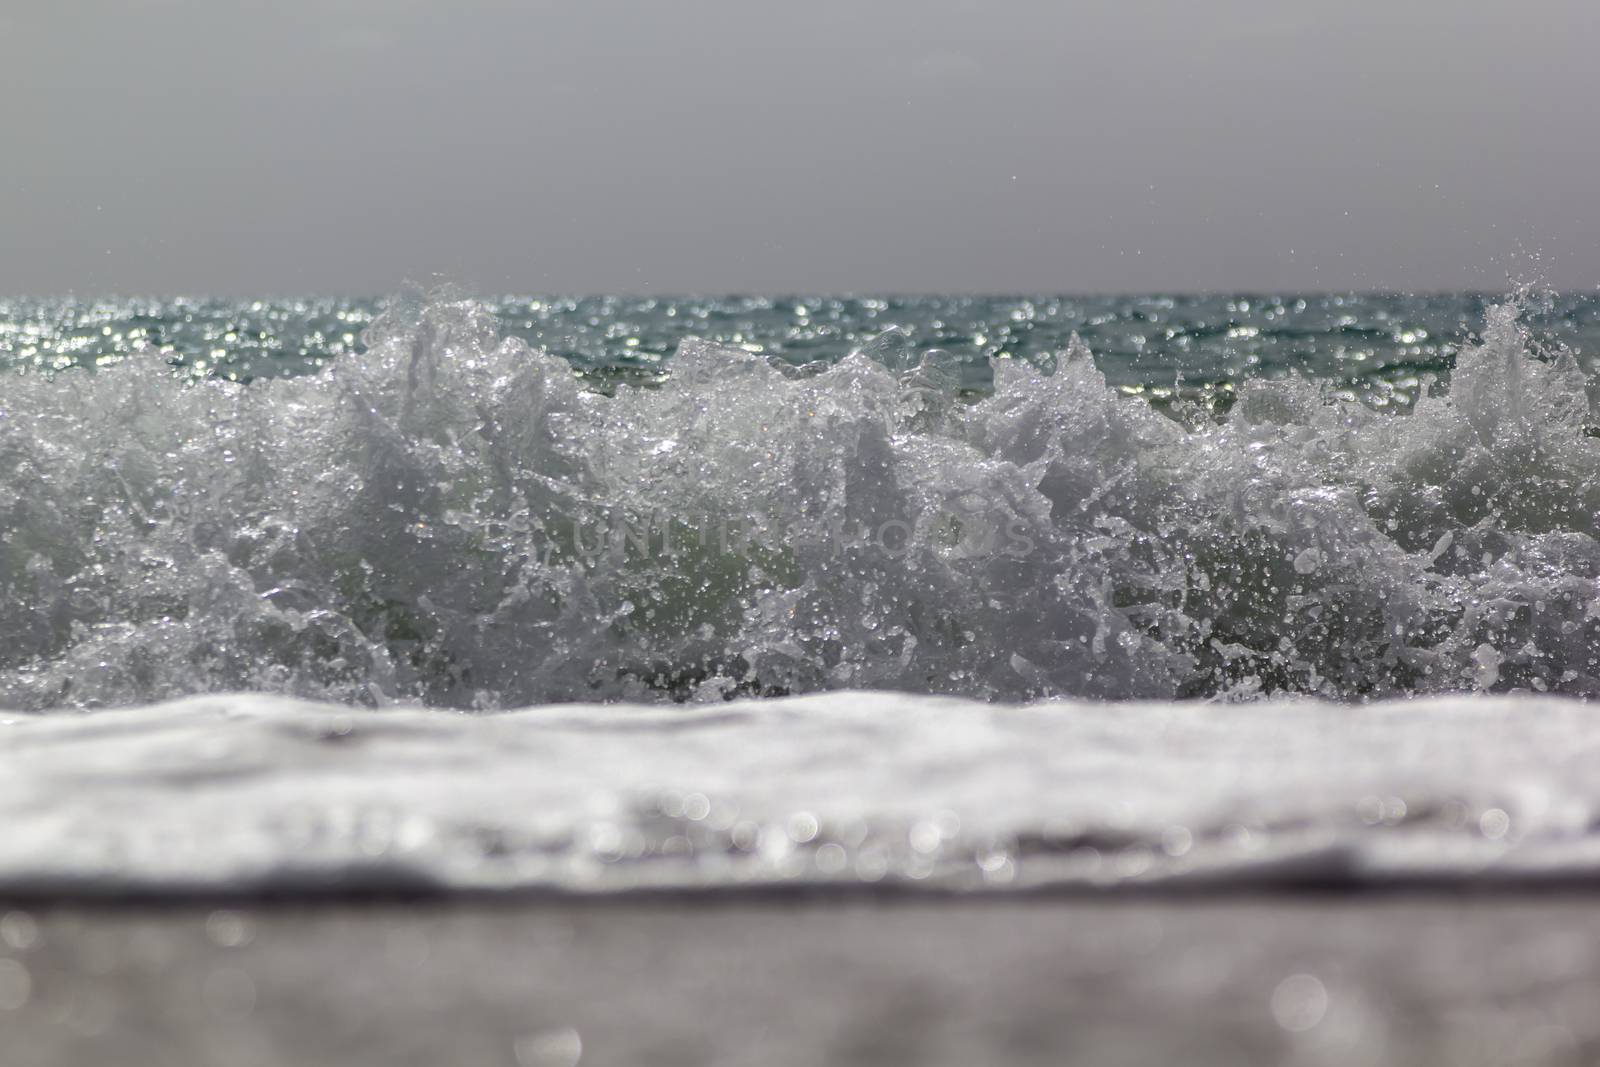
column 452, row 518
column 256, row 793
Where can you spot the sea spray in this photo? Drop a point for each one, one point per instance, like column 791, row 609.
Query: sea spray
column 445, row 514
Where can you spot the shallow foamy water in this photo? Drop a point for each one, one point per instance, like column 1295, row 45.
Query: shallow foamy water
column 251, row 793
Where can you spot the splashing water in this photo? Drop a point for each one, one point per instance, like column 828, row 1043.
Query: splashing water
column 453, row 517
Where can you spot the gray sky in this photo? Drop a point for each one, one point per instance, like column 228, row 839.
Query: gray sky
column 235, row 146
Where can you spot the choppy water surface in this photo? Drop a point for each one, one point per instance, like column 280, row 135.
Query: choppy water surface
column 441, row 513
column 1383, row 347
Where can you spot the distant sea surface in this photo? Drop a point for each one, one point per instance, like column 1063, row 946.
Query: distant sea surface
column 1382, row 345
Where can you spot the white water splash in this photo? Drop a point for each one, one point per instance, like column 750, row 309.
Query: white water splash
column 453, row 518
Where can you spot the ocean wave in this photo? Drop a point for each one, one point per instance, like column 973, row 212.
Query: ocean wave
column 451, row 517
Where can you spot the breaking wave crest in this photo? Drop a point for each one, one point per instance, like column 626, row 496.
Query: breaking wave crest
column 452, row 517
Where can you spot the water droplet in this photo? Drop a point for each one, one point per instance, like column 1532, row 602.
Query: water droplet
column 19, row 930
column 1299, row 1002
column 1494, row 823
column 558, row 1047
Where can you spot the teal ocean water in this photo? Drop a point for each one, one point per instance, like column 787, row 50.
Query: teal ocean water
column 1382, row 346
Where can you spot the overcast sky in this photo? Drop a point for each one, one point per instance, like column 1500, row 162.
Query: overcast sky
column 235, row 146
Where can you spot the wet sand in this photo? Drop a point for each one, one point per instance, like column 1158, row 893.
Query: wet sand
column 1407, row 978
